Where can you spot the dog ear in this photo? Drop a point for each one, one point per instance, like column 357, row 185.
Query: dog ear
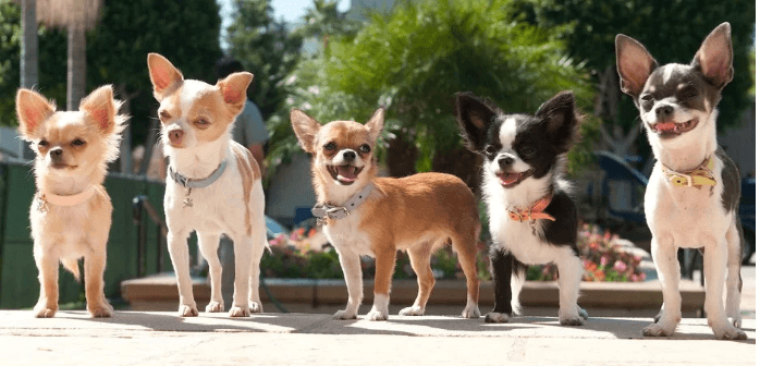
column 32, row 110
column 101, row 109
column 306, row 129
column 375, row 124
column 163, row 75
column 474, row 116
column 715, row 57
column 560, row 119
column 233, row 89
column 634, row 65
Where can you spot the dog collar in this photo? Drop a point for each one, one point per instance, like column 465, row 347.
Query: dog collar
column 325, row 211
column 198, row 183
column 43, row 199
column 535, row 212
column 701, row 176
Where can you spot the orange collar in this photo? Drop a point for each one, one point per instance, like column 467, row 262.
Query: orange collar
column 535, row 212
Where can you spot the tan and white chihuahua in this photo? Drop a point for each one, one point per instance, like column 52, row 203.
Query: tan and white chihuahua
column 213, row 184
column 367, row 215
column 71, row 212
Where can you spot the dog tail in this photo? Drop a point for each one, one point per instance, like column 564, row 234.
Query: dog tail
column 71, row 265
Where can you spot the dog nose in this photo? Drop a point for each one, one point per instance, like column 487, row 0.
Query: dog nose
column 506, row 161
column 664, row 112
column 56, row 153
column 349, row 155
column 175, row 136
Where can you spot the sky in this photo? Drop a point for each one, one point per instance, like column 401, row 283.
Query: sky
column 290, row 10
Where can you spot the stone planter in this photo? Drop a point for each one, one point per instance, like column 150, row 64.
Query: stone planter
column 538, row 298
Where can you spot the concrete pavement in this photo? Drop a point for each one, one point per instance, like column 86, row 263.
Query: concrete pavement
column 161, row 338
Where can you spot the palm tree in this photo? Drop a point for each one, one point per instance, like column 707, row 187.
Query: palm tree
column 29, row 59
column 76, row 16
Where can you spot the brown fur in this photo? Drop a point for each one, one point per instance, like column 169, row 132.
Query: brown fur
column 418, row 213
column 250, row 172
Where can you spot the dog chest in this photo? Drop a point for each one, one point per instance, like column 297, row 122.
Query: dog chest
column 692, row 216
column 346, row 234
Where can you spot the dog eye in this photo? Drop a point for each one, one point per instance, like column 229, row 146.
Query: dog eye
column 689, row 93
column 330, row 146
column 43, row 143
column 528, row 151
column 77, row 142
column 164, row 115
column 202, row 122
column 647, row 97
column 364, row 148
column 490, row 150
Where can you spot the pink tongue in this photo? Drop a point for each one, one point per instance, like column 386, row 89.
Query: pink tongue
column 668, row 126
column 509, row 178
column 347, row 173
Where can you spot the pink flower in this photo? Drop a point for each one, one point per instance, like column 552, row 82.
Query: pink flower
column 605, row 260
column 620, row 266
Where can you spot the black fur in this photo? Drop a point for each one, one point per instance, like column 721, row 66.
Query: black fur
column 731, row 182
column 563, row 231
column 541, row 141
column 503, row 267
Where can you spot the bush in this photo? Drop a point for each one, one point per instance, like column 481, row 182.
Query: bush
column 414, row 59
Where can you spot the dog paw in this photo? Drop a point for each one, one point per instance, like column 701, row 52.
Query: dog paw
column 344, row 315
column 583, row 313
column 471, row 312
column 497, row 318
column 214, row 307
column 736, row 322
column 255, row 308
column 657, row 330
column 186, row 311
column 572, row 321
column 729, row 332
column 43, row 311
column 104, row 310
column 412, row 311
column 239, row 312
column 376, row 315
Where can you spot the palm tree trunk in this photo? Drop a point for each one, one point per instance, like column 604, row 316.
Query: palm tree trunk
column 28, row 58
column 29, row 43
column 76, row 76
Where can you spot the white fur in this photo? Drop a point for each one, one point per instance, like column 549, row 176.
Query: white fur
column 667, row 72
column 507, row 135
column 379, row 309
column 519, row 238
column 692, row 217
column 217, row 209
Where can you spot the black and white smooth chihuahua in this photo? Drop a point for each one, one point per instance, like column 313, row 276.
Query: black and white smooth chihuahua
column 532, row 218
column 692, row 197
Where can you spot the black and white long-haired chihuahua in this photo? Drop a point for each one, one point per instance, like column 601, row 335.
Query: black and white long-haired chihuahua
column 533, row 220
column 692, row 197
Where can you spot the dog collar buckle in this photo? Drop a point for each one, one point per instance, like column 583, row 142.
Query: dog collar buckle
column 324, row 211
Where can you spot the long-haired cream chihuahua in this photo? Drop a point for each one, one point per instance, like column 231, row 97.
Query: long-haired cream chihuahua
column 71, row 212
column 213, row 185
column 367, row 215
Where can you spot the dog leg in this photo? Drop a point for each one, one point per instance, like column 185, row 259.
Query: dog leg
column 419, row 256
column 519, row 271
column 384, row 263
column 208, row 243
column 668, row 270
column 254, row 301
column 94, row 267
column 352, row 272
column 734, row 282
column 178, row 252
column 47, row 264
column 570, row 273
column 501, row 272
column 243, row 245
column 715, row 272
column 467, row 253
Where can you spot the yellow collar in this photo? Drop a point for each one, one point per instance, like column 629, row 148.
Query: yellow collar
column 701, row 176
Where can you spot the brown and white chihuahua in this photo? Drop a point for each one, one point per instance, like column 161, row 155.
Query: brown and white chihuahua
column 367, row 215
column 71, row 212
